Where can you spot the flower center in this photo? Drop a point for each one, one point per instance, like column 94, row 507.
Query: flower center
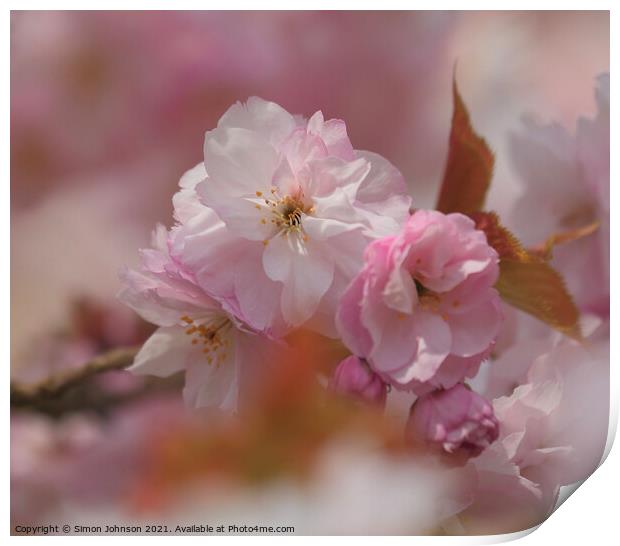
column 286, row 212
column 211, row 335
column 427, row 299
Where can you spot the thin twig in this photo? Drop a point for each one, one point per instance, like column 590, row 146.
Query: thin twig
column 55, row 386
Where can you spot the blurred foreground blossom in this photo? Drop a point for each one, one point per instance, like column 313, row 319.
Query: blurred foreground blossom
column 81, row 461
column 299, row 457
column 340, row 496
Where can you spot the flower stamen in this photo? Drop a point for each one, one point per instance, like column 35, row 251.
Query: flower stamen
column 287, row 212
column 428, row 300
column 211, row 335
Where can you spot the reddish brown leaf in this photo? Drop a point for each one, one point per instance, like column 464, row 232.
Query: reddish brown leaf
column 469, row 167
column 527, row 281
column 545, row 249
column 538, row 289
column 505, row 243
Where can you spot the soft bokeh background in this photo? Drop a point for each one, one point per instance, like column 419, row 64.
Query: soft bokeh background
column 109, row 109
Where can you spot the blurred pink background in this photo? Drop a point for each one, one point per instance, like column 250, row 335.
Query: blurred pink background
column 108, row 109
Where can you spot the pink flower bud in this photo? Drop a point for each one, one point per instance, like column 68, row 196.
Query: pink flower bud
column 353, row 377
column 456, row 420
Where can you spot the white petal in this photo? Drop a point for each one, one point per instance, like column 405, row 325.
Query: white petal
column 303, row 270
column 383, row 195
column 301, row 147
column 163, row 354
column 277, row 258
column 324, row 228
column 186, row 202
column 315, row 123
column 346, row 251
column 209, row 385
column 193, row 176
column 239, row 162
column 268, row 119
column 332, row 173
column 247, row 217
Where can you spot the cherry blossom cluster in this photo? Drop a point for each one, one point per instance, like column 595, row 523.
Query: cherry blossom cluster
column 284, row 225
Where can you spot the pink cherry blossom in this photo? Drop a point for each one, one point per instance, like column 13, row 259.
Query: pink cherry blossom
column 196, row 333
column 554, row 419
column 297, row 207
column 423, row 310
column 555, row 423
column 353, row 377
column 457, row 419
column 565, row 180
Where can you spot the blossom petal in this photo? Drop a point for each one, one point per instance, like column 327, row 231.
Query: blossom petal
column 334, row 134
column 303, row 270
column 433, row 346
column 395, row 346
column 383, row 194
column 211, row 385
column 247, row 217
column 267, row 119
column 473, row 332
column 239, row 162
column 163, row 354
column 186, row 202
column 321, row 229
column 400, row 293
column 329, row 174
column 348, row 319
column 302, row 147
column 242, row 288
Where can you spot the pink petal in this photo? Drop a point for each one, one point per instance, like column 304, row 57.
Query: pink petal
column 473, row 332
column 433, row 346
column 348, row 320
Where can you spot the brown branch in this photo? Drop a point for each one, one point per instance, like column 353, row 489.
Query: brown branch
column 55, row 386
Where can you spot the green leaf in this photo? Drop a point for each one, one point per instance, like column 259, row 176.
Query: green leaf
column 469, row 167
